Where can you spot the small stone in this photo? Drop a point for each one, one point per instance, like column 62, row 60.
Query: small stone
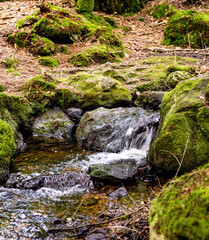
column 75, row 114
column 120, row 192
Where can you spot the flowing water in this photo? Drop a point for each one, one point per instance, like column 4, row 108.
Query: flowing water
column 49, row 181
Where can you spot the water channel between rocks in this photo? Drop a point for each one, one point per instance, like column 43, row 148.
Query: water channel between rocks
column 50, row 185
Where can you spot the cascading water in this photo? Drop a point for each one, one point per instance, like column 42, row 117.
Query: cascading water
column 48, row 180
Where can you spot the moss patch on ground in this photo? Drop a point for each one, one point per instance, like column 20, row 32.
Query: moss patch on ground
column 97, row 54
column 161, row 11
column 182, row 142
column 49, row 61
column 187, row 28
column 51, row 25
column 181, row 210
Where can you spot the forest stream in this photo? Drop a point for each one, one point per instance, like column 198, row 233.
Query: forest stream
column 49, row 187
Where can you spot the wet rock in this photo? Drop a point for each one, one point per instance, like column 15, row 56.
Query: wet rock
column 75, row 114
column 96, row 236
column 13, row 180
column 19, row 141
column 112, row 130
column 120, row 192
column 118, row 171
column 53, row 124
column 33, row 183
column 149, row 99
column 82, row 231
column 66, row 180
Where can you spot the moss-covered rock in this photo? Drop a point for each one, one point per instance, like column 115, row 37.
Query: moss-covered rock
column 120, row 6
column 182, row 142
column 155, row 76
column 53, row 124
column 181, row 210
column 41, row 46
column 49, row 61
column 97, row 90
column 7, row 148
column 27, row 21
column 187, row 28
column 19, row 39
column 85, row 5
column 162, row 11
column 149, row 99
column 97, row 54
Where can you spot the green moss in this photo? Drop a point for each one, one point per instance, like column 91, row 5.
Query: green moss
column 7, row 148
column 18, row 107
column 187, row 28
column 111, row 21
column 174, row 68
column 97, row 54
column 207, row 94
column 41, row 46
column 29, row 20
column 203, row 120
column 85, row 5
column 49, row 61
column 66, row 97
column 10, row 62
column 80, row 60
column 19, row 39
column 40, row 91
column 97, row 90
column 2, row 88
column 181, row 210
column 182, row 137
column 162, row 11
column 63, row 49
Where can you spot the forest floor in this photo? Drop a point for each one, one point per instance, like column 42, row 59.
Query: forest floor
column 143, row 39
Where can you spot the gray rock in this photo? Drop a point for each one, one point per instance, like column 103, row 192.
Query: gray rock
column 120, row 192
column 149, row 99
column 53, row 124
column 75, row 114
column 112, row 130
column 95, row 236
column 118, row 171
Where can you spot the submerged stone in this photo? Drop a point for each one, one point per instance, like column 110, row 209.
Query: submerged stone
column 53, row 124
column 117, row 171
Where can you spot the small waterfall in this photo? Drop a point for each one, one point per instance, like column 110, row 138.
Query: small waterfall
column 135, row 144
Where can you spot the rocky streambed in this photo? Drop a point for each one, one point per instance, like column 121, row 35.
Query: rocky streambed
column 56, row 184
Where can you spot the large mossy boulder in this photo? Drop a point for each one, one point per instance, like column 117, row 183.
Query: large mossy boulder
column 96, row 90
column 187, row 28
column 113, row 130
column 181, row 210
column 119, row 6
column 7, row 148
column 183, row 137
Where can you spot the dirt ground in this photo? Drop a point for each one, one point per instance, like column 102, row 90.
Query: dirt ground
column 142, row 40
